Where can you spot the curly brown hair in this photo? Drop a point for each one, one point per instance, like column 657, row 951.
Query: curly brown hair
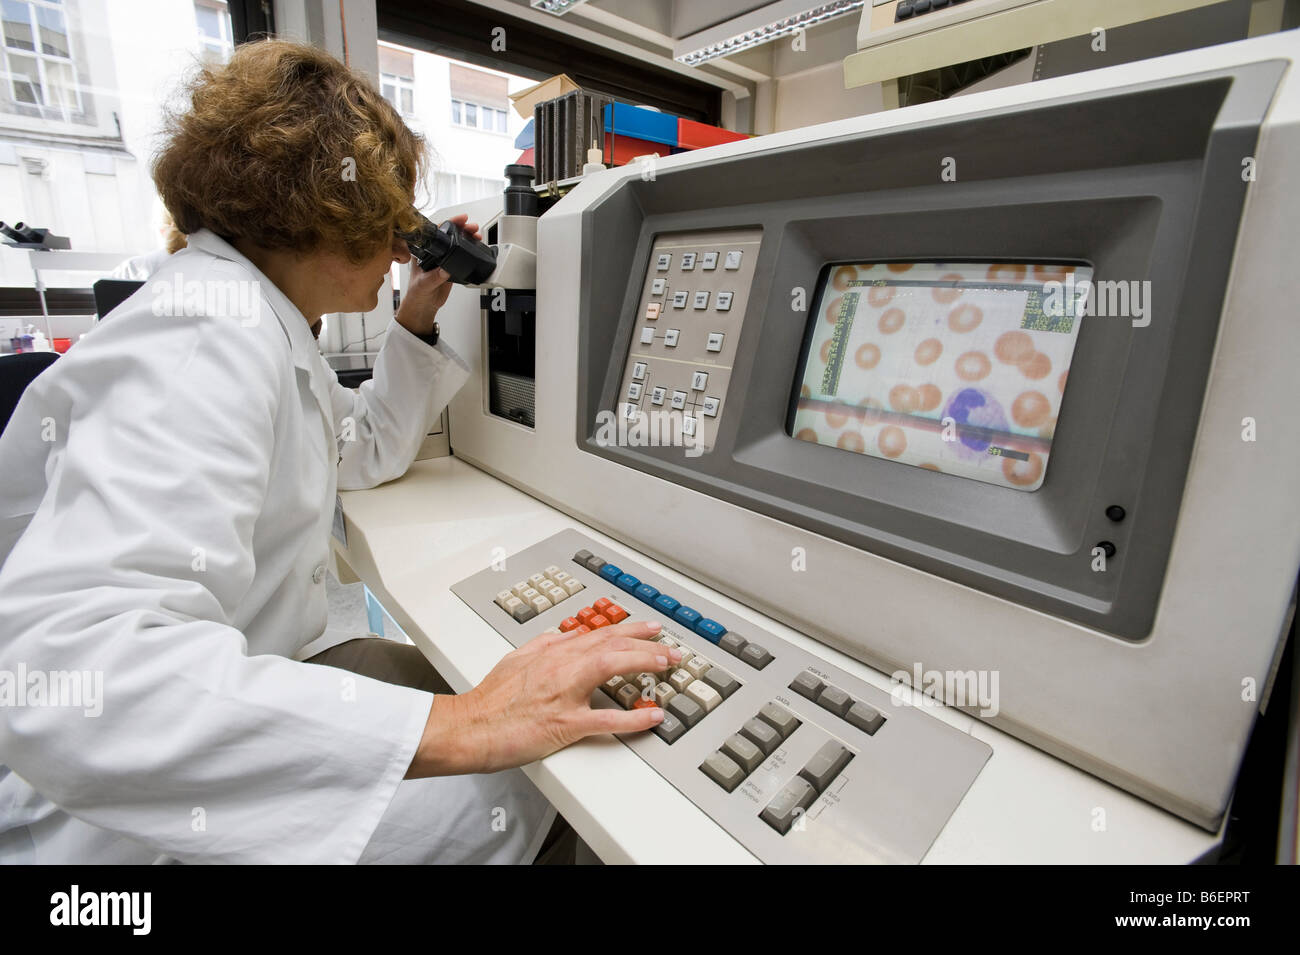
column 288, row 148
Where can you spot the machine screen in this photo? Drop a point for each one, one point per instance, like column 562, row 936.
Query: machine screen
column 954, row 367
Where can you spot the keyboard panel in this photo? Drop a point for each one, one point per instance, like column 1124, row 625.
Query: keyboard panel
column 799, row 761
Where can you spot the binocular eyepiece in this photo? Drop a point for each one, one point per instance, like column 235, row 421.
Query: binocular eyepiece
column 467, row 260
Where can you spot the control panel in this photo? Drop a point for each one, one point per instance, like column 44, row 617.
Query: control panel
column 688, row 323
column 798, row 760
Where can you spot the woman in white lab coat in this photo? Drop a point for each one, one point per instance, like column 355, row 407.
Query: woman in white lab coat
column 166, row 495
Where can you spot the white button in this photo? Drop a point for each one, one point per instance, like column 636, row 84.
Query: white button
column 703, row 694
column 699, row 381
column 733, row 260
column 709, row 260
column 629, row 412
column 519, row 588
column 679, row 299
column 541, row 605
column 652, row 310
column 710, row 407
column 638, row 371
column 634, row 390
column 503, row 598
column 657, row 396
column 701, row 299
column 657, row 286
column 539, row 581
column 528, row 595
column 573, row 585
column 724, row 302
column 665, row 260
column 679, row 400
column 688, row 261
column 688, row 425
column 647, row 335
column 670, row 337
column 318, row 574
column 715, row 341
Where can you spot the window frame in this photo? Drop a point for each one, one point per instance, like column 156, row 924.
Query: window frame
column 64, row 113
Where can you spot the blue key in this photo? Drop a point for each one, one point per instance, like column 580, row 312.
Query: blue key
column 627, row 582
column 666, row 604
column 646, row 594
column 610, row 572
column 710, row 630
column 687, row 616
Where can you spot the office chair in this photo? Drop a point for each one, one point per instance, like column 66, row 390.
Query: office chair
column 16, row 373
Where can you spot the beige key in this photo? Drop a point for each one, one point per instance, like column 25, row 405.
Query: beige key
column 510, row 605
column 552, row 571
column 664, row 693
column 627, row 696
column 612, row 686
column 668, row 641
column 519, row 588
column 556, row 594
column 538, row 580
column 502, row 597
column 573, row 585
column 680, row 680
column 687, row 653
column 540, row 604
column 528, row 595
column 559, row 577
column 697, row 667
column 705, row 695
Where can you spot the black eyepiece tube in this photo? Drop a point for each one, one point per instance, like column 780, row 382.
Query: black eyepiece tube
column 12, row 232
column 467, row 260
column 520, row 200
column 29, row 234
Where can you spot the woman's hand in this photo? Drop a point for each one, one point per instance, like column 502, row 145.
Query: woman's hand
column 538, row 700
column 426, row 292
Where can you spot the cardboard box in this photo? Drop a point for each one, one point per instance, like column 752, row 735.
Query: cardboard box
column 525, row 100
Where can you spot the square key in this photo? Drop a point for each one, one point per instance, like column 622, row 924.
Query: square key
column 559, row 576
column 788, row 805
column 703, row 694
column 680, row 680
column 696, row 667
column 664, row 261
column 634, row 390
column 657, row 396
column 627, row 695
column 733, row 643
column 647, row 335
column 670, row 337
column 502, row 597
column 807, row 684
column 779, row 718
column 615, row 614
column 512, row 603
column 538, row 580
column 612, row 686
column 709, row 260
column 680, row 298
column 755, row 656
column 685, row 709
column 688, row 261
column 679, row 400
column 528, row 594
column 699, row 380
column 638, row 374
column 724, row 302
column 743, row 753
column 732, row 261
column 667, row 641
column 688, row 426
column 568, row 623
column 722, row 681
column 710, row 407
column 652, row 311
column 866, row 718
column 523, row 613
column 658, row 285
column 761, row 735
column 594, row 563
column 825, row 765
column 540, row 604
column 723, row 771
column 836, row 700
column 556, row 594
column 664, row 693
column 714, row 342
column 701, row 299
column 519, row 588
column 687, row 654
column 551, row 571
column 573, row 585
column 582, row 556
column 671, row 729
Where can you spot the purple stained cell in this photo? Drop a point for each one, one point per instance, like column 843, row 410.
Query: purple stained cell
column 979, row 417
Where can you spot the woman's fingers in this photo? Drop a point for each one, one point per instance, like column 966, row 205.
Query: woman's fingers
column 621, row 721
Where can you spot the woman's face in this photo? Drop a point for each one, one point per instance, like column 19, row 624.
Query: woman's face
column 354, row 287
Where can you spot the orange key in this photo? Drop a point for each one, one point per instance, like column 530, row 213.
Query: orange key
column 583, row 628
column 567, row 624
column 643, row 704
column 615, row 613
column 585, row 615
column 597, row 622
column 602, row 604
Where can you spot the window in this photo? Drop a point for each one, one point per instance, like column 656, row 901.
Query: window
column 400, row 91
column 216, row 38
column 38, row 57
column 478, row 116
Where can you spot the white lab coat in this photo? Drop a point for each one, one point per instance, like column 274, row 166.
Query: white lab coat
column 166, row 495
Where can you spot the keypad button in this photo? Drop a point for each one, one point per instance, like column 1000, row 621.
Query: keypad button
column 688, row 261
column 679, row 400
column 615, row 614
column 697, row 667
column 685, row 709
column 788, row 805
column 732, row 642
column 665, row 604
column 687, row 655
column 722, row 681
column 645, row 593
column 687, row 616
column 714, row 342
column 834, row 699
column 556, row 594
column 630, row 411
column 657, row 286
column 538, row 580
column 568, row 623
column 671, row 729
column 779, row 718
column 638, row 373
column 680, row 680
column 663, row 693
column 627, row 582
column 723, row 771
column 634, row 390
column 595, row 564
column 680, row 298
column 807, row 684
column 586, row 615
column 743, row 753
column 755, row 656
column 627, row 695
column 825, row 765
column 610, row 572
column 701, row 300
column 573, row 585
column 723, row 302
column 670, row 337
column 647, row 335
column 699, row 380
column 709, row 261
column 664, row 261
column 688, row 425
column 604, row 602
column 703, row 694
column 523, row 613
column 710, row 630
column 667, row 641
column 502, row 597
column 540, row 604
column 761, row 735
column 710, row 407
column 657, row 396
column 652, row 311
column 866, row 718
column 598, row 621
column 732, row 261
column 612, row 686
column 581, row 557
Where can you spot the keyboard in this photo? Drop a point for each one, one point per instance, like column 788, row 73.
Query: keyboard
column 797, row 760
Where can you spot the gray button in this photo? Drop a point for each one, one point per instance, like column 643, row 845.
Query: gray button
column 523, row 613
column 755, row 656
column 835, row 700
column 865, row 718
column 761, row 735
column 671, row 729
column 722, row 771
column 788, row 804
column 581, row 557
column 745, row 754
column 807, row 684
column 595, row 563
column 733, row 643
column 685, row 709
column 722, row 681
column 779, row 718
column 826, row 764
column 627, row 695
column 318, row 574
